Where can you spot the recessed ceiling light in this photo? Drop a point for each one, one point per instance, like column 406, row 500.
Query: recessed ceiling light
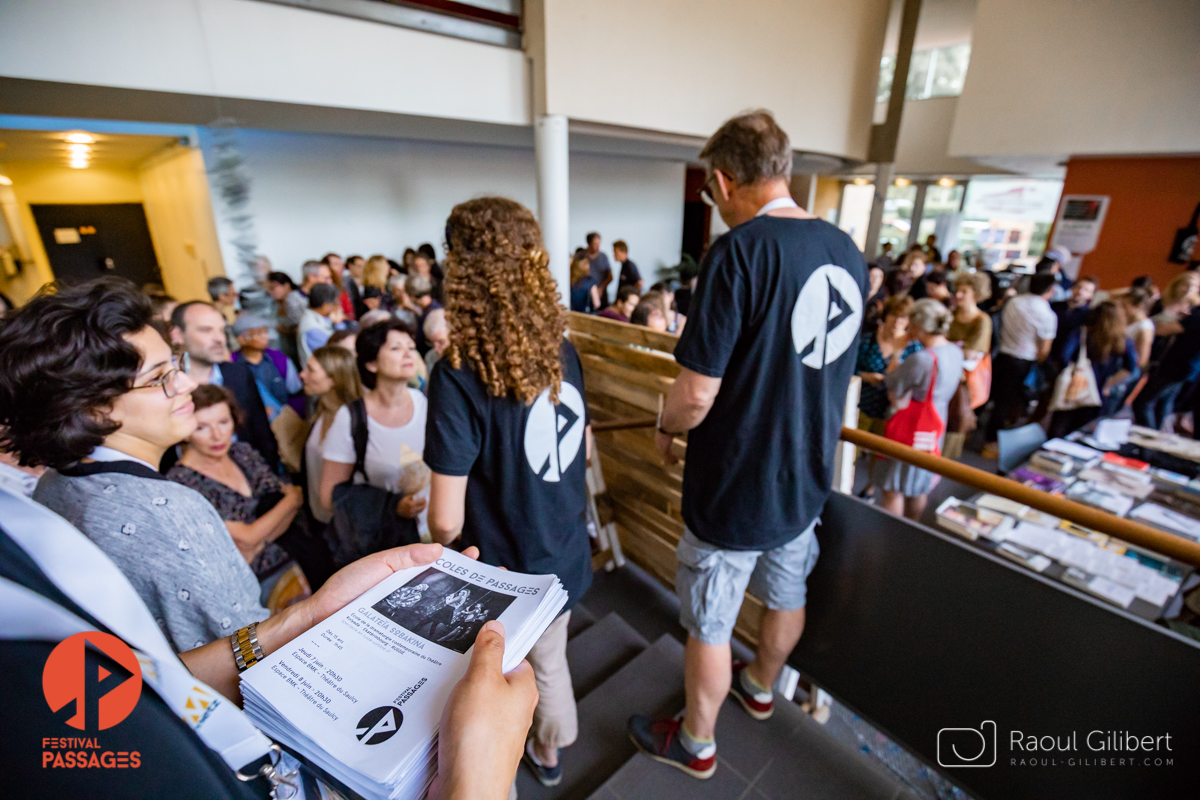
column 861, row 181
column 947, row 182
column 79, row 163
column 79, row 149
column 79, row 137
column 902, row 182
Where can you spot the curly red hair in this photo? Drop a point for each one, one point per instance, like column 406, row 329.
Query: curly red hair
column 501, row 301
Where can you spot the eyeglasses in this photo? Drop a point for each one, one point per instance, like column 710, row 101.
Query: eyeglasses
column 705, row 194
column 167, row 381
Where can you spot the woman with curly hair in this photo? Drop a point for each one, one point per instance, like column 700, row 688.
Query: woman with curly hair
column 507, row 431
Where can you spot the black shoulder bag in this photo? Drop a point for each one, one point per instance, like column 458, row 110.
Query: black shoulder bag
column 364, row 516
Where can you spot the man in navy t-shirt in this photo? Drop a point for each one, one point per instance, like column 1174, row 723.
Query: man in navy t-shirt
column 766, row 359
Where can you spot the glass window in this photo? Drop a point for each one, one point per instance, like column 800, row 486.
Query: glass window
column 931, row 73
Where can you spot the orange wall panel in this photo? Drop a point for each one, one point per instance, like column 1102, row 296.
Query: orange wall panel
column 1151, row 199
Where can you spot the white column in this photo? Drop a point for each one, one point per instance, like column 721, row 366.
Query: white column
column 553, row 165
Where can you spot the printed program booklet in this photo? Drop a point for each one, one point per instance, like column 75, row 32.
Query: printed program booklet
column 361, row 694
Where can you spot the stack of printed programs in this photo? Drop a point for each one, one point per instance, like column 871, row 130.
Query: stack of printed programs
column 361, row 694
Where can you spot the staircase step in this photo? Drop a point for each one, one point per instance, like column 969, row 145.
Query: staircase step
column 651, row 683
column 581, row 620
column 600, row 651
column 786, row 756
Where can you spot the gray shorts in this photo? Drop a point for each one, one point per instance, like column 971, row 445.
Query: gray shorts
column 710, row 581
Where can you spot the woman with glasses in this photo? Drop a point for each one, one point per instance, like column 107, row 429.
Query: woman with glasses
column 89, row 389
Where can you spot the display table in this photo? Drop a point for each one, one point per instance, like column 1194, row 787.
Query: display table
column 1136, row 473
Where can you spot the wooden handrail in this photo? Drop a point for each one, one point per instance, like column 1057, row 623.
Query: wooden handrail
column 624, row 424
column 1125, row 529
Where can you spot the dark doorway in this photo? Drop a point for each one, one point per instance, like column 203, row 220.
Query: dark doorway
column 697, row 216
column 87, row 241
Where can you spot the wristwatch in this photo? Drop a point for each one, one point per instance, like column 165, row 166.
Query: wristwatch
column 246, row 650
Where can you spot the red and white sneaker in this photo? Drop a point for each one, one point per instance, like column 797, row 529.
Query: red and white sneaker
column 755, row 708
column 660, row 739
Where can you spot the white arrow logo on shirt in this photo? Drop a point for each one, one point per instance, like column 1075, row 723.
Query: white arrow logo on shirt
column 827, row 316
column 553, row 434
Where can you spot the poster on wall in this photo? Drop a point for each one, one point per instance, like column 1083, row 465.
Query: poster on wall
column 1080, row 218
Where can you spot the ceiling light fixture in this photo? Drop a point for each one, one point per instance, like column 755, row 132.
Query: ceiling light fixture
column 5, row 180
column 861, row 181
column 79, row 137
column 947, row 182
column 79, row 149
column 79, row 163
column 902, row 182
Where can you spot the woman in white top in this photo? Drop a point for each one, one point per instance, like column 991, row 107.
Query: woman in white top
column 331, row 376
column 1141, row 328
column 387, row 360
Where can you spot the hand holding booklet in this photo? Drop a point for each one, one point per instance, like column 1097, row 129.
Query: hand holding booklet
column 361, row 694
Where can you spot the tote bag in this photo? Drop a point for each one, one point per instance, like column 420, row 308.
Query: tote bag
column 1076, row 385
column 918, row 424
column 979, row 381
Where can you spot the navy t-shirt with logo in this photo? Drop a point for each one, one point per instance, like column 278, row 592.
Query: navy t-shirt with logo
column 527, row 488
column 775, row 315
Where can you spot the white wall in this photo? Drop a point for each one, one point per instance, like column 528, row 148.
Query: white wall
column 637, row 200
column 1071, row 77
column 261, row 51
column 685, row 66
column 311, row 194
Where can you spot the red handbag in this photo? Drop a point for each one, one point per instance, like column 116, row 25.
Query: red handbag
column 918, row 424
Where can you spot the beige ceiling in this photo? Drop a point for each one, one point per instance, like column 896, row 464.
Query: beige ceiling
column 110, row 150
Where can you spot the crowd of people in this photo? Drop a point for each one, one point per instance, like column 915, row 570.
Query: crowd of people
column 1015, row 335
column 663, row 307
column 353, row 424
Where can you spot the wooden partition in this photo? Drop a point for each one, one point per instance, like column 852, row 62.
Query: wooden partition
column 627, row 369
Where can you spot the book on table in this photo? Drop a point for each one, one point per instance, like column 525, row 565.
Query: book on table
column 972, row 520
column 360, row 696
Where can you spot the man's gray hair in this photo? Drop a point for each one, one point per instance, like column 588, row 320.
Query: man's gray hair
column 750, row 148
column 311, row 269
column 395, row 281
column 930, row 316
column 374, row 317
column 218, row 286
column 435, row 322
column 418, row 286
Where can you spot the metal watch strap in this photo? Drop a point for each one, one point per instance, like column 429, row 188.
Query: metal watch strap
column 246, row 650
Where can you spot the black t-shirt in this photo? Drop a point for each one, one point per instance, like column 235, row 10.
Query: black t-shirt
column 776, row 316
column 527, row 491
column 630, row 274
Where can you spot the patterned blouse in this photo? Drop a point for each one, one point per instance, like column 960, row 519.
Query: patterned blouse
column 233, row 506
column 873, row 400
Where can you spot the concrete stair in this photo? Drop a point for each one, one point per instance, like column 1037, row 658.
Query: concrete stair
column 616, row 673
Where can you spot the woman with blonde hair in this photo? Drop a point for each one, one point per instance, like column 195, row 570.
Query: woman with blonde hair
column 585, row 294
column 507, row 432
column 375, row 273
column 331, row 376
